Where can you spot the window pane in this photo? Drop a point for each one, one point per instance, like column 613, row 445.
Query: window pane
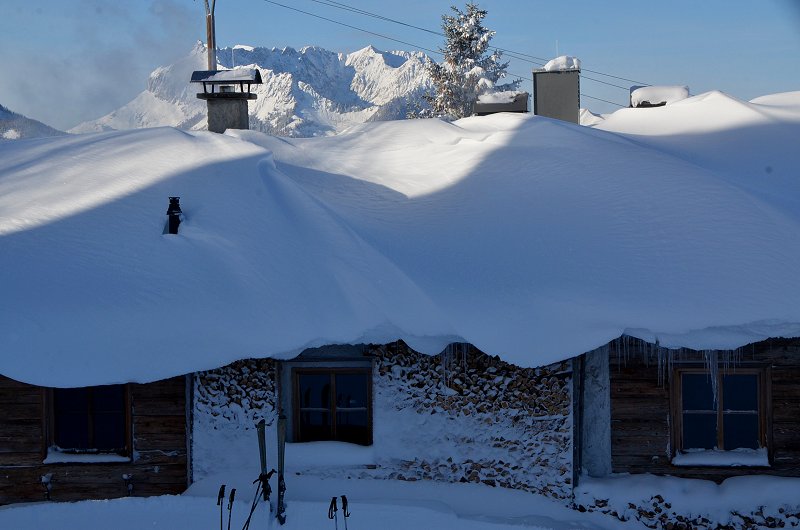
column 352, row 427
column 699, row 431
column 72, row 430
column 740, row 430
column 697, row 392
column 71, row 423
column 351, row 390
column 740, row 392
column 314, row 426
column 108, row 398
column 71, row 400
column 314, row 390
column 109, row 431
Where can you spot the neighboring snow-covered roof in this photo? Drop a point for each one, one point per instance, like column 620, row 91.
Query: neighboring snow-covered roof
column 532, row 238
column 506, row 96
column 657, row 95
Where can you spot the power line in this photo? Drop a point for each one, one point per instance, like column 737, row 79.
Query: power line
column 521, row 56
column 600, row 99
column 626, row 89
column 381, row 35
column 340, row 5
column 384, row 36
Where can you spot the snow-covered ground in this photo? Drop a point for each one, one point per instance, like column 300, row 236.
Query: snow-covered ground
column 387, row 505
column 390, row 504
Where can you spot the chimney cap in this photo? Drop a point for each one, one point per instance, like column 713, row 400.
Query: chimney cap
column 227, row 77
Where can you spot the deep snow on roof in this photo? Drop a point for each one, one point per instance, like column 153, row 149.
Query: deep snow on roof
column 531, row 238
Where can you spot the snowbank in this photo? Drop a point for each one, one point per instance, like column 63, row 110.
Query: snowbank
column 743, row 502
column 533, row 239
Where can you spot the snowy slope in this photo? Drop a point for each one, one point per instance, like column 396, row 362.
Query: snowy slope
column 531, row 238
column 306, row 92
column 15, row 126
column 751, row 144
column 259, row 266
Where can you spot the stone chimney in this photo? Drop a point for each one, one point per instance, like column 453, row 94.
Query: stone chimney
column 226, row 93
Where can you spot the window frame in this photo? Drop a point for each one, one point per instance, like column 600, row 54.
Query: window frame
column 332, row 372
column 764, row 393
column 50, row 439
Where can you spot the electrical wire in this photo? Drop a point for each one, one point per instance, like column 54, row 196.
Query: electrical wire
column 381, row 35
column 514, row 54
column 600, row 99
column 339, row 5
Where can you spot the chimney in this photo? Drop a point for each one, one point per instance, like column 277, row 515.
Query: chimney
column 226, row 93
column 174, row 214
column 556, row 89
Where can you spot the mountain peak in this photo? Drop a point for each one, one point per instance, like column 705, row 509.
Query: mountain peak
column 307, row 92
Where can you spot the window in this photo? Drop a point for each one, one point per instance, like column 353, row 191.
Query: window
column 723, row 411
column 333, row 405
column 90, row 420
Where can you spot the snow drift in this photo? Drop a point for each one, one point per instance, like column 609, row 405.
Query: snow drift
column 531, row 238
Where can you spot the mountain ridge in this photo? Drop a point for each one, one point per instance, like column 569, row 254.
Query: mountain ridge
column 15, row 126
column 307, row 92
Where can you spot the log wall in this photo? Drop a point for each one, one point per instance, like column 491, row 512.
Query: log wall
column 640, row 407
column 158, row 438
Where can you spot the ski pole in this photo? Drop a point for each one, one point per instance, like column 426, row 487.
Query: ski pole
column 332, row 509
column 230, row 506
column 220, row 496
column 345, row 511
column 255, row 503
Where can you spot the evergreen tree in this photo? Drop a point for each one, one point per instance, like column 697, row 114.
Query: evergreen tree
column 468, row 69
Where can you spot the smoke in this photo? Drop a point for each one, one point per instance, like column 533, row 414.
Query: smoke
column 110, row 49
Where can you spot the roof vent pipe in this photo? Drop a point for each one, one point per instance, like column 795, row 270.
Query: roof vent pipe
column 174, row 214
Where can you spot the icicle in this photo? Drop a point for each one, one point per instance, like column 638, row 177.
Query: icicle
column 662, row 362
column 711, row 358
column 464, row 352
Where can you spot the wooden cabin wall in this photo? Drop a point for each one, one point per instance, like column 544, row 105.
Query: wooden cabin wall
column 640, row 410
column 159, row 447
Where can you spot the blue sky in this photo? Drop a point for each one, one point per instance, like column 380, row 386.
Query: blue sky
column 71, row 61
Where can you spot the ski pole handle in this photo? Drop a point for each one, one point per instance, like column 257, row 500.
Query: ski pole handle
column 221, row 495
column 332, row 509
column 230, row 506
column 345, row 511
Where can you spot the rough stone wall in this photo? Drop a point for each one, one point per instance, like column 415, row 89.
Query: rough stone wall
column 471, row 417
column 658, row 513
column 461, row 416
column 239, row 394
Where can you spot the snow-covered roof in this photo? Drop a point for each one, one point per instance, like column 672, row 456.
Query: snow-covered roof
column 505, row 96
column 561, row 63
column 658, row 95
column 247, row 75
column 532, row 238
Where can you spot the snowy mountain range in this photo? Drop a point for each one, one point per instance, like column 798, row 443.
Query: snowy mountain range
column 15, row 126
column 306, row 92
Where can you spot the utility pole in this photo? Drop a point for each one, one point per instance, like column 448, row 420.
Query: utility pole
column 211, row 35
